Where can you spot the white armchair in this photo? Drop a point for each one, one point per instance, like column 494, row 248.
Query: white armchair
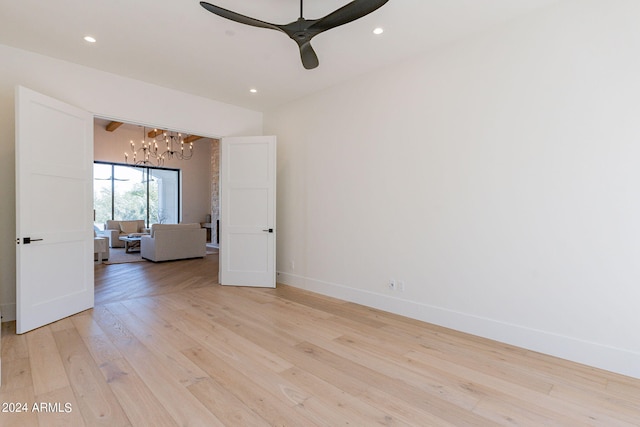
column 100, row 249
column 113, row 230
column 174, row 241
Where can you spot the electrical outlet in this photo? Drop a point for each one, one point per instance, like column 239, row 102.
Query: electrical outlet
column 400, row 286
column 392, row 285
column 292, row 264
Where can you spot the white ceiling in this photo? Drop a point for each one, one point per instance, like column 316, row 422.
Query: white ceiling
column 179, row 45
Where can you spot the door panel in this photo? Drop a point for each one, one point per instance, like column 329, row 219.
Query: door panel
column 247, row 211
column 54, row 160
column 248, row 207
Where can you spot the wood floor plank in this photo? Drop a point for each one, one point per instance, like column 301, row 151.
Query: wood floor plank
column 13, row 346
column 491, row 365
column 61, row 325
column 506, row 410
column 269, row 407
column 97, row 342
column 495, row 389
column 281, row 343
column 533, row 369
column 59, row 408
column 169, row 346
column 156, row 372
column 228, row 408
column 401, row 411
column 16, row 374
column 150, row 315
column 598, row 403
column 220, row 339
column 248, row 361
column 47, row 369
column 136, row 399
column 388, row 342
column 236, row 320
column 95, row 398
column 446, row 406
column 138, row 402
column 623, row 388
column 157, row 344
column 337, row 407
column 17, row 414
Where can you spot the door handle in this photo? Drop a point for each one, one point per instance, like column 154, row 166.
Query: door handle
column 27, row 240
column 270, row 230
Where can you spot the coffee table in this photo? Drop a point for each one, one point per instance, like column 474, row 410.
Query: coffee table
column 131, row 244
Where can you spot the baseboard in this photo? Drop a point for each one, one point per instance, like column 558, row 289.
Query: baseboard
column 8, row 312
column 597, row 355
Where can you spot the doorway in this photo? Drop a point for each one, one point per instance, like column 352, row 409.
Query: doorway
column 196, row 199
column 198, row 184
column 72, row 126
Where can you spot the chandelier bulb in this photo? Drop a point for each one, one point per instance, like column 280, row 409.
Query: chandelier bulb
column 148, row 148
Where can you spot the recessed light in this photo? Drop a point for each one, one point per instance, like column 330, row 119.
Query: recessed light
column 378, row 31
column 89, row 39
column 252, row 90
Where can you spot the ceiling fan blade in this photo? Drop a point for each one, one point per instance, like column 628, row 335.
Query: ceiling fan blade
column 238, row 17
column 347, row 13
column 308, row 56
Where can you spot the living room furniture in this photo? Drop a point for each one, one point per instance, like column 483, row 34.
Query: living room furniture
column 207, row 227
column 100, row 249
column 174, row 241
column 114, row 229
column 131, row 244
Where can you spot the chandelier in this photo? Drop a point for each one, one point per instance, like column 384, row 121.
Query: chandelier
column 172, row 146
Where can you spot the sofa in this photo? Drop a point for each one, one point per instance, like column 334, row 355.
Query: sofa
column 168, row 242
column 113, row 230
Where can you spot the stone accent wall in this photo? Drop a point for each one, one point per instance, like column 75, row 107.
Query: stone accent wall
column 215, row 188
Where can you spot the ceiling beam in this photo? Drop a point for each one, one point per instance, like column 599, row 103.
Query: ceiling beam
column 191, row 138
column 155, row 132
column 113, row 126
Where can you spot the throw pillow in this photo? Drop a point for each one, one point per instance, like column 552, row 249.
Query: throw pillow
column 128, row 227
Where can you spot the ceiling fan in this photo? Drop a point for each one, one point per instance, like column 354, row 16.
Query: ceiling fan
column 303, row 30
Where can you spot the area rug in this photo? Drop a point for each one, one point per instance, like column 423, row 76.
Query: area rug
column 118, row 256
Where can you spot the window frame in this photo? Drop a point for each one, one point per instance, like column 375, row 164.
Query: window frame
column 147, row 170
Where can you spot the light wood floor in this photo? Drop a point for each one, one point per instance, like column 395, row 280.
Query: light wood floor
column 165, row 345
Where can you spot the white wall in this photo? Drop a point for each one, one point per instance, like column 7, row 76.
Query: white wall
column 498, row 178
column 105, row 95
column 195, row 173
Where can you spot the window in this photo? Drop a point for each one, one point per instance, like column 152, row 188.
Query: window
column 123, row 192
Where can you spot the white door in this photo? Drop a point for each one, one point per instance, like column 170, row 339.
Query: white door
column 54, row 229
column 247, row 211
